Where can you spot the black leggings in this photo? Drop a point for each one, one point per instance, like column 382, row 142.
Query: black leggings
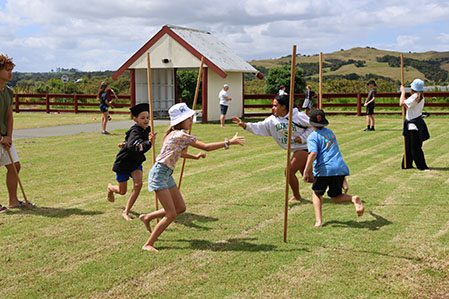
column 413, row 151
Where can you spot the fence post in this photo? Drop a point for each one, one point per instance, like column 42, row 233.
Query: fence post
column 16, row 96
column 75, row 100
column 359, row 105
column 47, row 103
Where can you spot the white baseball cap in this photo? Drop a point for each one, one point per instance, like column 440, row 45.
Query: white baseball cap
column 226, row 86
column 178, row 113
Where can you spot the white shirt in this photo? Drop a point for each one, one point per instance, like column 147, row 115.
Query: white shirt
column 282, row 92
column 277, row 127
column 414, row 109
column 222, row 97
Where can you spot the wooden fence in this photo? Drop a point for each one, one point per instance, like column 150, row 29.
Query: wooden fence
column 48, row 102
column 357, row 106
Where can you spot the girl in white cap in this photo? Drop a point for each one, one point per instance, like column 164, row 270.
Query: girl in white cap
column 160, row 179
column 415, row 129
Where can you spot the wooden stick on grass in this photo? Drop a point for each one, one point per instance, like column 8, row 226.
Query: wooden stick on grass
column 289, row 141
column 403, row 107
column 150, row 100
column 198, row 82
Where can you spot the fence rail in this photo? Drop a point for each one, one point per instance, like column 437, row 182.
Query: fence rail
column 328, row 97
column 49, row 100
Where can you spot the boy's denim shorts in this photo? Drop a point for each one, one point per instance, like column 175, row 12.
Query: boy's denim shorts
column 160, row 178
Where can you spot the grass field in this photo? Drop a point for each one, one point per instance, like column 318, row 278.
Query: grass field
column 229, row 241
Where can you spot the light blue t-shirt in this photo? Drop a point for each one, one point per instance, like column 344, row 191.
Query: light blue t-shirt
column 329, row 161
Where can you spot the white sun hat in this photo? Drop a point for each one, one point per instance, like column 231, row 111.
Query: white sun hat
column 417, row 85
column 178, row 113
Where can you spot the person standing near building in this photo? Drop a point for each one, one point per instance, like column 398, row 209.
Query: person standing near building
column 6, row 128
column 104, row 96
column 224, row 103
column 370, row 105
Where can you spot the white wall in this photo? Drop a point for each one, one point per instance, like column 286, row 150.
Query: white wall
column 215, row 84
column 162, row 88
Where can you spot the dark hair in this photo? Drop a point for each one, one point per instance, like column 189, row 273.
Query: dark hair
column 282, row 86
column 283, row 100
column 420, row 95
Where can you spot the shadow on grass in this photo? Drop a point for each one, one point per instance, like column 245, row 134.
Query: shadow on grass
column 371, row 225
column 239, row 244
column 440, row 168
column 55, row 212
column 188, row 219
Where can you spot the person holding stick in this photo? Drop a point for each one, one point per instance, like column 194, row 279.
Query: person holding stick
column 128, row 163
column 415, row 129
column 104, row 96
column 370, row 105
column 277, row 126
column 6, row 129
column 175, row 144
column 329, row 169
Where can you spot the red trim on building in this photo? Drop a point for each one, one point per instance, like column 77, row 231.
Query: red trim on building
column 260, row 75
column 154, row 39
column 204, row 95
column 175, row 81
column 132, row 87
column 243, row 93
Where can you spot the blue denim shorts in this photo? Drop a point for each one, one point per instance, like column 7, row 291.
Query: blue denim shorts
column 160, row 178
column 223, row 109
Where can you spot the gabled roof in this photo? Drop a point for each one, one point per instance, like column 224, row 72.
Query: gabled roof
column 217, row 55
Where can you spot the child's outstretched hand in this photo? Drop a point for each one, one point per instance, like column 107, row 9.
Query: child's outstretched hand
column 238, row 121
column 152, row 136
column 237, row 139
column 201, row 155
column 306, row 177
column 121, row 145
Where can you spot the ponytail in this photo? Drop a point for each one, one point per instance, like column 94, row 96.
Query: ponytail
column 171, row 129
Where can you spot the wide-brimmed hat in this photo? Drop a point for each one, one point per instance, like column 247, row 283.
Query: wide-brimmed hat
column 417, row 85
column 135, row 111
column 178, row 113
column 371, row 82
column 318, row 118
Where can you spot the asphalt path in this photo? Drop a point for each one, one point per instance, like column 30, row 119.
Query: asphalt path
column 76, row 129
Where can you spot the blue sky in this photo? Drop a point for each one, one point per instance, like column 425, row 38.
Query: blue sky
column 95, row 35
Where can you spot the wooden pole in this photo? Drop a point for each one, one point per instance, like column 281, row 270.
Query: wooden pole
column 403, row 108
column 320, row 95
column 150, row 100
column 18, row 179
column 197, row 90
column 289, row 141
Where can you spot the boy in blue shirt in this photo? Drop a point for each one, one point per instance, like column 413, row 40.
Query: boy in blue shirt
column 329, row 169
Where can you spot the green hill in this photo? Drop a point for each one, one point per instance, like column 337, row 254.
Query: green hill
column 432, row 66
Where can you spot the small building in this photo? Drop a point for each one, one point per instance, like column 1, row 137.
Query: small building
column 176, row 48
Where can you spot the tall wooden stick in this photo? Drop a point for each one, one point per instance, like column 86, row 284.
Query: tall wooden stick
column 289, row 141
column 320, row 96
column 150, row 100
column 18, row 179
column 403, row 108
column 197, row 90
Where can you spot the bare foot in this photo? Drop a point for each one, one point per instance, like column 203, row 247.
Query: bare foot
column 126, row 216
column 149, row 248
column 294, row 199
column 146, row 220
column 318, row 224
column 358, row 205
column 110, row 194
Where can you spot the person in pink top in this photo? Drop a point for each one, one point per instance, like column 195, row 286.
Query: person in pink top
column 160, row 179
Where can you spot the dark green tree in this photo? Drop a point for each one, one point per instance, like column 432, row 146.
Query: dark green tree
column 281, row 76
column 186, row 87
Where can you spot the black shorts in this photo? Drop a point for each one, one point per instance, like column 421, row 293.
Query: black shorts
column 335, row 184
column 103, row 108
column 370, row 109
column 223, row 109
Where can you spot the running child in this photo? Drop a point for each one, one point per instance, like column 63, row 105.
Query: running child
column 128, row 163
column 277, row 126
column 160, row 179
column 329, row 168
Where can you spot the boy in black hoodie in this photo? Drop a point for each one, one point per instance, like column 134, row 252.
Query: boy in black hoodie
column 128, row 163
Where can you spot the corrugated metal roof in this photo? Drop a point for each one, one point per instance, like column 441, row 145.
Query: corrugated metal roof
column 213, row 49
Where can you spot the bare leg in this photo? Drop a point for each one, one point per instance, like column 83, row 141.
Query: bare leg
column 372, row 121
column 317, row 206
column 171, row 205
column 137, row 179
column 104, row 121
column 367, row 121
column 121, row 189
column 349, row 198
column 222, row 119
column 11, row 184
column 297, row 163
